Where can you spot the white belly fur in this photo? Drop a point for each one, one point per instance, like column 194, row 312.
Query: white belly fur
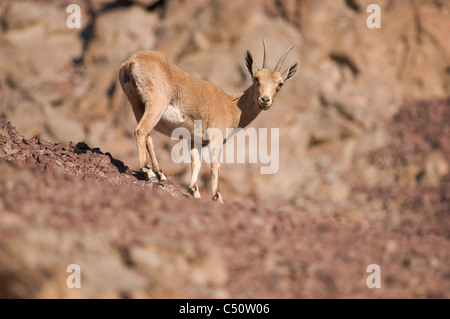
column 173, row 115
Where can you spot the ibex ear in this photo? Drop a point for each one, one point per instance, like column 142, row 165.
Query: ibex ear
column 252, row 67
column 290, row 72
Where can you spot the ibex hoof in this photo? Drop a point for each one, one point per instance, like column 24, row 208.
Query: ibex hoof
column 161, row 176
column 218, row 198
column 149, row 174
column 194, row 192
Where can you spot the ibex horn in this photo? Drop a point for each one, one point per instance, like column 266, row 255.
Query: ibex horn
column 283, row 57
column 265, row 55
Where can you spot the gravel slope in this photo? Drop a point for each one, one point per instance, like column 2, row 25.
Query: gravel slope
column 64, row 205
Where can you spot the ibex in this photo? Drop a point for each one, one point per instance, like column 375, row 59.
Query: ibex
column 164, row 97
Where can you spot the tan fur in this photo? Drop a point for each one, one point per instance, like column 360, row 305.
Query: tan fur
column 164, row 97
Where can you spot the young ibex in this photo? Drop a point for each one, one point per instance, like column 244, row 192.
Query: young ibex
column 165, row 97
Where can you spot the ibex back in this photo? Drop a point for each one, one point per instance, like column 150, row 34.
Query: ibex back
column 164, row 97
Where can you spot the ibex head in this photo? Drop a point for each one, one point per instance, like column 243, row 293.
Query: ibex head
column 268, row 82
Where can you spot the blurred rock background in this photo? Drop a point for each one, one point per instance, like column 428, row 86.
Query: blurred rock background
column 335, row 117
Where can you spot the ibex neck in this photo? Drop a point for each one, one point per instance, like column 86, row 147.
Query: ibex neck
column 249, row 110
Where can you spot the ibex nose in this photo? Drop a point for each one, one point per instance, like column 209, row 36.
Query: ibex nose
column 264, row 102
column 265, row 99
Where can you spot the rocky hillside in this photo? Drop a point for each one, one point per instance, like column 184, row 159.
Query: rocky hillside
column 364, row 146
column 64, row 205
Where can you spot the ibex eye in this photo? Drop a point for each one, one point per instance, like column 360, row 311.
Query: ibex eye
column 279, row 86
column 256, row 80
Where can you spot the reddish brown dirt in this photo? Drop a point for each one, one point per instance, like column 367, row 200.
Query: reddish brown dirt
column 75, row 159
column 132, row 238
column 418, row 129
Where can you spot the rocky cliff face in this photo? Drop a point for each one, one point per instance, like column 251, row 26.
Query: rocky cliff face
column 61, row 83
column 364, row 125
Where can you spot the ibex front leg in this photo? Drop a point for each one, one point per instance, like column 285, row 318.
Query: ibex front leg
column 215, row 182
column 215, row 147
column 195, row 169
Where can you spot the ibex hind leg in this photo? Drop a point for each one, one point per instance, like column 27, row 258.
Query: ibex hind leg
column 139, row 133
column 156, row 169
column 148, row 121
